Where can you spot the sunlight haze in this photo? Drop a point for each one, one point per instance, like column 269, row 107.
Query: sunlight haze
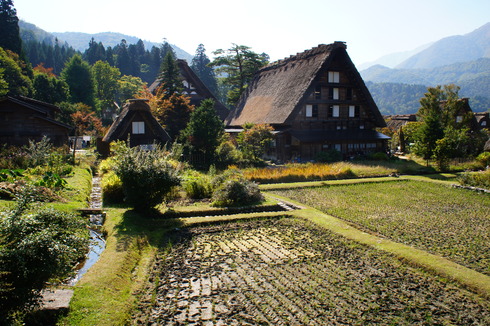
column 279, row 28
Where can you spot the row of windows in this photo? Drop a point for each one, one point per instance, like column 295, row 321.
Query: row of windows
column 334, row 93
column 351, row 147
column 334, row 111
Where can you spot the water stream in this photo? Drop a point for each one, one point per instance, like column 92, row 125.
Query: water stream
column 97, row 243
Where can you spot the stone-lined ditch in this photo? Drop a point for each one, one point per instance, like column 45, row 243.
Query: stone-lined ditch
column 97, row 243
column 286, row 271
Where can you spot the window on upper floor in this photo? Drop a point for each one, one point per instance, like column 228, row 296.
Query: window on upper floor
column 311, row 111
column 334, row 77
column 318, row 92
column 348, row 94
column 138, row 127
column 333, row 93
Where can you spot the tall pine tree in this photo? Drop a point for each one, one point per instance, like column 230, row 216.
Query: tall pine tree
column 170, row 75
column 200, row 65
column 9, row 28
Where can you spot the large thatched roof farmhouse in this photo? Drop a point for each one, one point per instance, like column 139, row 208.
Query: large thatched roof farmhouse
column 316, row 101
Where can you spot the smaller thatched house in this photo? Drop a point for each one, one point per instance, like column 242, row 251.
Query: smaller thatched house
column 23, row 119
column 483, row 120
column 136, row 124
column 194, row 88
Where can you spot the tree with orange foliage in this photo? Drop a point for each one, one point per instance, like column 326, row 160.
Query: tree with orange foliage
column 86, row 123
column 172, row 112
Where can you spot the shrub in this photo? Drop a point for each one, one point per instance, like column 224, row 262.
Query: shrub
column 484, row 158
column 379, row 156
column 146, row 176
column 235, row 192
column 112, row 189
column 36, row 246
column 475, row 179
column 197, row 185
column 331, row 155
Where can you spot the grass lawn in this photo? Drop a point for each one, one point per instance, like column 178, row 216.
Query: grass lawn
column 454, row 223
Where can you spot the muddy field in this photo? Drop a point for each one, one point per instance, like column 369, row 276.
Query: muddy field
column 288, row 272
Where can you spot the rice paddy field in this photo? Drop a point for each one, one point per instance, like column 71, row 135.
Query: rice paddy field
column 288, row 271
column 454, row 223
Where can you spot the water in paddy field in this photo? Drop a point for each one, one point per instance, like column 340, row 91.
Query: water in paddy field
column 97, row 242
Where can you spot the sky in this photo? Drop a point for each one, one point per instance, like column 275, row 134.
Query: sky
column 280, row 28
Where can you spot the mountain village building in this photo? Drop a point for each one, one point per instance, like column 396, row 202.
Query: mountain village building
column 136, row 124
column 315, row 101
column 24, row 119
column 194, row 88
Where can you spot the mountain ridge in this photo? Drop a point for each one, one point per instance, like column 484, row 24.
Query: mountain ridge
column 80, row 41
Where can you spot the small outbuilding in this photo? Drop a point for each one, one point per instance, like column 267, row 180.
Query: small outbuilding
column 137, row 125
column 23, row 119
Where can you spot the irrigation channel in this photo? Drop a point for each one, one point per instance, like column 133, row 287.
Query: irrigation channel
column 97, row 243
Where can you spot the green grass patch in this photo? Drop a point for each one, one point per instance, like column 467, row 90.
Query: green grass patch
column 454, row 223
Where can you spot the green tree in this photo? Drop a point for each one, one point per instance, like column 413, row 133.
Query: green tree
column 200, row 65
column 78, row 75
column 123, row 61
column 95, row 52
column 254, row 140
column 15, row 73
column 202, row 135
column 48, row 88
column 106, row 84
column 237, row 66
column 129, row 87
column 170, row 76
column 4, row 86
column 9, row 28
column 427, row 135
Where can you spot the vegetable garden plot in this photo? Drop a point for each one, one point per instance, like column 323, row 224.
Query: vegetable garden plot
column 454, row 223
column 289, row 272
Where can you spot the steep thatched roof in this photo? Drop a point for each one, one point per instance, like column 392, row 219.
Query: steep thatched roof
column 395, row 122
column 120, row 129
column 200, row 90
column 278, row 89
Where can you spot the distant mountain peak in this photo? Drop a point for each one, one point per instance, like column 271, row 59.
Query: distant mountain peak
column 452, row 49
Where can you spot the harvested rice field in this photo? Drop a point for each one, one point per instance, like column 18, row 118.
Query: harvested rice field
column 453, row 223
column 288, row 271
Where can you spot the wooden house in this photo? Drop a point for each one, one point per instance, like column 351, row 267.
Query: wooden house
column 483, row 120
column 194, row 88
column 136, row 124
column 315, row 101
column 23, row 119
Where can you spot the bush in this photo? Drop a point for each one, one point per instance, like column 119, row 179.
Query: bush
column 146, row 176
column 235, row 192
column 36, row 246
column 112, row 189
column 379, row 156
column 331, row 155
column 197, row 185
column 484, row 159
column 475, row 179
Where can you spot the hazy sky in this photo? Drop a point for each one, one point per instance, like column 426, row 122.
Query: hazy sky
column 371, row 28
